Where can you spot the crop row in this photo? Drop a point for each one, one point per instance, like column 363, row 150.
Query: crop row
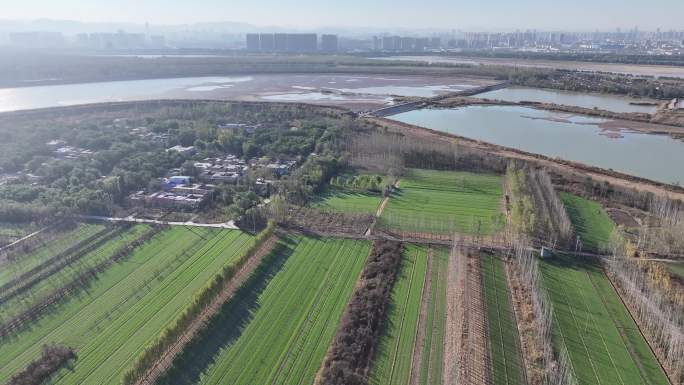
column 502, row 330
column 444, row 202
column 111, row 323
column 291, row 320
column 587, row 314
column 432, row 355
column 394, row 355
column 62, row 241
column 201, row 300
column 591, row 223
column 47, row 293
column 351, row 202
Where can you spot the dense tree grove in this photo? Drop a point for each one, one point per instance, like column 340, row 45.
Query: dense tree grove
column 599, row 82
column 89, row 161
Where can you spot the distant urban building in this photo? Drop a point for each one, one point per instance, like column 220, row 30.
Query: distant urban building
column 279, row 42
column 404, row 43
column 329, row 43
column 286, row 42
column 253, row 42
column 302, row 42
column 267, row 42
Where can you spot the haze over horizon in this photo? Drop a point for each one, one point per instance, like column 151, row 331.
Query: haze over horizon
column 430, row 14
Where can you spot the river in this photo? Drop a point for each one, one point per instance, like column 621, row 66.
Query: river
column 569, row 137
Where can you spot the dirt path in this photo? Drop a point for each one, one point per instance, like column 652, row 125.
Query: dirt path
column 166, row 359
column 515, row 305
column 419, row 342
column 476, row 345
column 381, row 208
column 454, row 316
column 466, row 353
column 385, row 200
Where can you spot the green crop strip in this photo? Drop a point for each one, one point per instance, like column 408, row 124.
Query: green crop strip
column 604, row 345
column 349, row 202
column 432, row 356
column 281, row 323
column 59, row 244
column 70, row 272
column 394, row 354
column 591, row 222
column 129, row 304
column 430, row 201
column 503, row 333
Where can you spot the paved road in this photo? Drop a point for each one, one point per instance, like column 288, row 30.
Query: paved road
column 227, row 225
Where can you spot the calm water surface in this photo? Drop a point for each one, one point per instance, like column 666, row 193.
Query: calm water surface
column 12, row 99
column 575, row 138
column 580, row 99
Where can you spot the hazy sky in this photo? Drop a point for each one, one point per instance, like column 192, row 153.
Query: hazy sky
column 492, row 14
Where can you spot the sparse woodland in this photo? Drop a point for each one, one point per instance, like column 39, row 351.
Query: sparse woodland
column 37, row 372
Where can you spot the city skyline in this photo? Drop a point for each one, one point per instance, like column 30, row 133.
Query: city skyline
column 581, row 15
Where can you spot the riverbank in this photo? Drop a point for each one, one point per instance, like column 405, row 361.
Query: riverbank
column 576, row 170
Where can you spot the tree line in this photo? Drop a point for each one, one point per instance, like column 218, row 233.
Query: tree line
column 350, row 354
column 167, row 337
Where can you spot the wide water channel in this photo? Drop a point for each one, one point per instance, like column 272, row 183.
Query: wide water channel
column 569, row 137
column 605, row 102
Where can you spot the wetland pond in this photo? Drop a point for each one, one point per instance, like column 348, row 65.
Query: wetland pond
column 587, row 100
column 565, row 136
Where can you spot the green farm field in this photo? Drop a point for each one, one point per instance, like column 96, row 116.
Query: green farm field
column 70, row 272
column 504, row 342
column 604, row 343
column 110, row 323
column 348, row 202
column 432, row 355
column 429, row 201
column 279, row 325
column 591, row 222
column 62, row 241
column 400, row 339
